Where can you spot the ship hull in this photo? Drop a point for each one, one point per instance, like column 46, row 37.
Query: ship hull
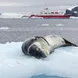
column 50, row 16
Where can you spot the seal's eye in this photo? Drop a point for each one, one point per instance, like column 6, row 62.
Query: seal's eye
column 37, row 49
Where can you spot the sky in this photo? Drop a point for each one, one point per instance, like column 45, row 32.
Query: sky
column 32, row 5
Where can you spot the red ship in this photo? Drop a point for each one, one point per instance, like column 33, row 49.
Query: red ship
column 47, row 14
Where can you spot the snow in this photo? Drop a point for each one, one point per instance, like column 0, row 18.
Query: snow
column 70, row 8
column 14, row 64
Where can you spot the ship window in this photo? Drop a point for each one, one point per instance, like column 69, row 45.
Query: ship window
column 41, row 13
column 52, row 12
column 56, row 12
column 45, row 13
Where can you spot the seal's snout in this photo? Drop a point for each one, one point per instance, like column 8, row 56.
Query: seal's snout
column 35, row 51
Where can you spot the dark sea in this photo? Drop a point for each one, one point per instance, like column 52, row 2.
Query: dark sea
column 20, row 29
column 17, row 30
column 45, row 76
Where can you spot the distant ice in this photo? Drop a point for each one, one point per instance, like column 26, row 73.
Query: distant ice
column 11, row 15
column 62, row 62
column 72, row 17
column 44, row 24
column 59, row 25
column 4, row 28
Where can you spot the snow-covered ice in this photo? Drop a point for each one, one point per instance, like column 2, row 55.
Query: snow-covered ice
column 14, row 64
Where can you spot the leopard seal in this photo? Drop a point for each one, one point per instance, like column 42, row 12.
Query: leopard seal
column 41, row 47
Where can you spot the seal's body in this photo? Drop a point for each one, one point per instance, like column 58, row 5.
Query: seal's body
column 41, row 47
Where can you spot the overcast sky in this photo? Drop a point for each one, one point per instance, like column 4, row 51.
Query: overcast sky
column 32, row 5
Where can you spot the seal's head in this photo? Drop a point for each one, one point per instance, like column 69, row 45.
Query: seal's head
column 35, row 51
